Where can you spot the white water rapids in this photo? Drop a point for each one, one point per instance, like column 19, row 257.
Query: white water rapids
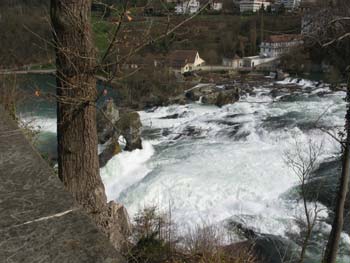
column 209, row 164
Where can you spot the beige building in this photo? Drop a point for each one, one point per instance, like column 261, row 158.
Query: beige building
column 185, row 60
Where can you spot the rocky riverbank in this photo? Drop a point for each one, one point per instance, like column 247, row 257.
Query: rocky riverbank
column 228, row 91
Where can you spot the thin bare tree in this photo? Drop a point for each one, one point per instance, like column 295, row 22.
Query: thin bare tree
column 303, row 161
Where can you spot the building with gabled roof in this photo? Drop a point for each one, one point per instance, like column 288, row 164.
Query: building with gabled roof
column 185, row 60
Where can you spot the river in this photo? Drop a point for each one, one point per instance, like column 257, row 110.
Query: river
column 210, row 164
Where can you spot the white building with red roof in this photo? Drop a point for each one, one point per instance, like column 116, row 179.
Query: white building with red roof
column 253, row 5
column 277, row 45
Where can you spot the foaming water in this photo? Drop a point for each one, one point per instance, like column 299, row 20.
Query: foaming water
column 126, row 169
column 210, row 164
column 41, row 123
column 217, row 179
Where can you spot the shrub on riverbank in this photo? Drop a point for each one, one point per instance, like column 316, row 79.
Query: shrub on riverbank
column 155, row 240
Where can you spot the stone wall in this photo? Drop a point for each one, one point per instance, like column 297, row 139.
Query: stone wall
column 39, row 221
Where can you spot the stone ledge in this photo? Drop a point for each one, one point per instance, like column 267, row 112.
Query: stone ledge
column 38, row 219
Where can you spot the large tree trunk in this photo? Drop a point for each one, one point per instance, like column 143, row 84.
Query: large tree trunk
column 338, row 221
column 78, row 162
column 78, row 166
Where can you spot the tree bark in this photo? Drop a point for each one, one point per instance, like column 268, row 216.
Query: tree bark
column 78, row 166
column 338, row 221
column 78, row 162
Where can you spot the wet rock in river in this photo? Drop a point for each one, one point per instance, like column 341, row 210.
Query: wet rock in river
column 111, row 124
column 130, row 127
column 211, row 94
column 263, row 247
column 181, row 100
column 107, row 118
column 189, row 131
column 175, row 115
column 112, row 148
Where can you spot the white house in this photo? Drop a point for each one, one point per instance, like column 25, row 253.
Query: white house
column 277, row 45
column 289, row 4
column 255, row 61
column 185, row 60
column 235, row 62
column 216, row 5
column 253, row 5
column 187, row 7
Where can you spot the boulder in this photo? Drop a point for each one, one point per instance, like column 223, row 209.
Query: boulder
column 112, row 148
column 111, row 124
column 262, row 247
column 271, row 249
column 181, row 100
column 175, row 116
column 121, row 219
column 196, row 93
column 153, row 101
column 130, row 127
column 210, row 94
column 227, row 97
column 189, row 131
column 107, row 118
